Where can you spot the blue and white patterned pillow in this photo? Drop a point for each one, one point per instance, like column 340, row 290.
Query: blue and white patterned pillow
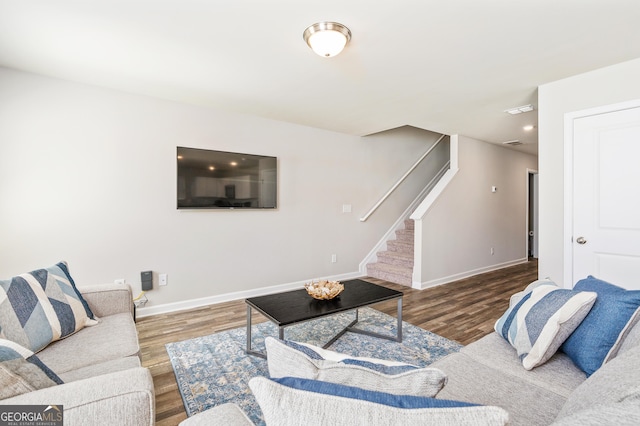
column 42, row 306
column 295, row 401
column 293, row 359
column 542, row 320
column 21, row 371
column 602, row 332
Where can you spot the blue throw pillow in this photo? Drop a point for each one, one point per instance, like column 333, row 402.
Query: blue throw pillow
column 392, row 400
column 600, row 335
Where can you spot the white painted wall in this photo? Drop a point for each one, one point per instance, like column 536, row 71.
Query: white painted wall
column 88, row 175
column 467, row 219
column 614, row 84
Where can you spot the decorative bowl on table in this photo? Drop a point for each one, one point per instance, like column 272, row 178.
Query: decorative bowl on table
column 323, row 289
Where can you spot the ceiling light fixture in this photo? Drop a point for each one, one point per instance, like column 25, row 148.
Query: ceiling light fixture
column 327, row 38
column 529, row 127
column 520, row 109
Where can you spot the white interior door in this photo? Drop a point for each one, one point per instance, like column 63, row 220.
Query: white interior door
column 606, row 197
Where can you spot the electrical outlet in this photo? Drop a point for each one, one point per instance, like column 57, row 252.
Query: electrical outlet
column 121, row 281
column 334, row 258
column 162, row 279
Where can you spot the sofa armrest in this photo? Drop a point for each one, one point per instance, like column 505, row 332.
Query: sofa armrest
column 108, row 299
column 121, row 398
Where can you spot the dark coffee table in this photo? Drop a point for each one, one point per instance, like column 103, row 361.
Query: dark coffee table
column 293, row 307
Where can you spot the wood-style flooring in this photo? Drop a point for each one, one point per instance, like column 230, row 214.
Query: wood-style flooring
column 464, row 311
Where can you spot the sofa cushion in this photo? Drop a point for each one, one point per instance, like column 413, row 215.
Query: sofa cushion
column 528, row 403
column 559, row 374
column 112, row 366
column 542, row 320
column 21, row 371
column 616, row 381
column 599, row 337
column 287, row 358
column 624, row 413
column 114, row 337
column 296, row 401
column 42, row 306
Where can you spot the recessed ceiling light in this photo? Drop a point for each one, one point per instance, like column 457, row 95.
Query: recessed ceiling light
column 233, row 163
column 180, row 157
column 211, row 168
column 520, row 109
column 529, row 127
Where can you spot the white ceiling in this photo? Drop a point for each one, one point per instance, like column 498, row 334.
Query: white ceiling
column 449, row 66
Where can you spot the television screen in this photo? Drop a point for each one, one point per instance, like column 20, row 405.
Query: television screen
column 226, row 180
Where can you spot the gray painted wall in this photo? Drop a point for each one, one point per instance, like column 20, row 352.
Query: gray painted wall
column 88, row 175
column 610, row 85
column 468, row 219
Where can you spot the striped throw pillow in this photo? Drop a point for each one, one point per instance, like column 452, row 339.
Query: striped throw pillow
column 21, row 371
column 542, row 320
column 302, row 360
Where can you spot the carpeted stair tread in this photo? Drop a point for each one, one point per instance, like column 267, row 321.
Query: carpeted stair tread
column 396, row 258
column 402, row 246
column 404, row 235
column 394, row 273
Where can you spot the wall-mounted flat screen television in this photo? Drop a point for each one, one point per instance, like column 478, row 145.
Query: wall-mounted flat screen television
column 226, row 180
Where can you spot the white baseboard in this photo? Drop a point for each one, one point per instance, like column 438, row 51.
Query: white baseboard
column 227, row 297
column 467, row 274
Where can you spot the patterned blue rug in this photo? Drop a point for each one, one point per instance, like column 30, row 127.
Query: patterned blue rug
column 214, row 370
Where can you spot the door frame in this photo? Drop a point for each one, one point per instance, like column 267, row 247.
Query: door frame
column 569, row 118
column 536, row 231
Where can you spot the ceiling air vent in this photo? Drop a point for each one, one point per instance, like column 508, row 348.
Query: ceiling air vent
column 514, row 142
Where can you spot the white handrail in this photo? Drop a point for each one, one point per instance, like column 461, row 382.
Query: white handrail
column 393, row 188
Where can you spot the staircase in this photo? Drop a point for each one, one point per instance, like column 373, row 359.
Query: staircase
column 396, row 263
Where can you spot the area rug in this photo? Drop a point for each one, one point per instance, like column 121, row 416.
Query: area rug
column 214, row 369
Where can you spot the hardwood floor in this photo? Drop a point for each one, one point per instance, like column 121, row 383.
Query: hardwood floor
column 464, row 311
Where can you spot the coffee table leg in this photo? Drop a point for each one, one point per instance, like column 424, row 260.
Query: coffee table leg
column 396, row 338
column 399, row 320
column 249, row 350
column 248, row 329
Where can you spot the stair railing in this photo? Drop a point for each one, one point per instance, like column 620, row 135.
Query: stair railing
column 397, row 184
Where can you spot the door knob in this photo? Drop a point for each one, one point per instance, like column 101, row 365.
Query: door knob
column 581, row 240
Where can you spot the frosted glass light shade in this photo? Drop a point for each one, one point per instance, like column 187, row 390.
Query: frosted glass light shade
column 327, row 39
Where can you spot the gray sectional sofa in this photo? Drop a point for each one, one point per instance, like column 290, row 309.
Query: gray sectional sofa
column 556, row 393
column 104, row 382
column 489, row 372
